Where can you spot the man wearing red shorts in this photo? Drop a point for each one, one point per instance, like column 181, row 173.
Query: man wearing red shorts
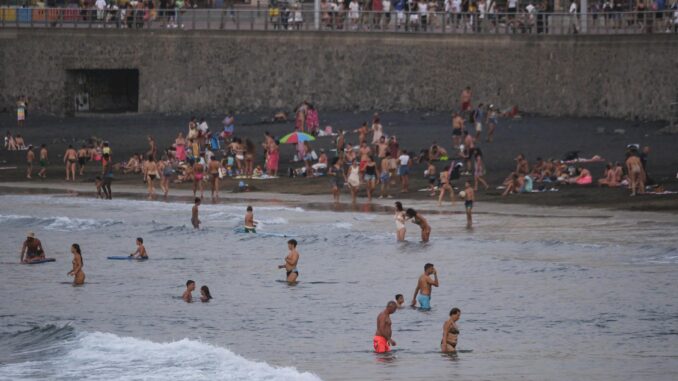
column 382, row 338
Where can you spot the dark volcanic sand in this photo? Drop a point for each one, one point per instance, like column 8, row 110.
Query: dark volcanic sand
column 534, row 136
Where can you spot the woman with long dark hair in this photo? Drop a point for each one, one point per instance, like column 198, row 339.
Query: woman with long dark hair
column 77, row 273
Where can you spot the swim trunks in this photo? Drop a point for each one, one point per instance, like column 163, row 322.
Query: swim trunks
column 424, row 301
column 456, row 131
column 294, row 270
column 43, row 163
column 250, row 230
column 82, row 160
column 468, row 204
column 381, row 344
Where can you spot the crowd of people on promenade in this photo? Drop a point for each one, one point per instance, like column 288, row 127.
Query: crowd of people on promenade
column 489, row 16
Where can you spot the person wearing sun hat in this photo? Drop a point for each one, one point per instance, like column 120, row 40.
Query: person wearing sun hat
column 32, row 249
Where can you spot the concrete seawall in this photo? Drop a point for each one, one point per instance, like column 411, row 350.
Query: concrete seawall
column 209, row 71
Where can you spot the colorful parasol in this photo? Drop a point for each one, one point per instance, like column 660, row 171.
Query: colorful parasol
column 296, row 137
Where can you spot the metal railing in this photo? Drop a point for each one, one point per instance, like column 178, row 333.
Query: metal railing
column 275, row 19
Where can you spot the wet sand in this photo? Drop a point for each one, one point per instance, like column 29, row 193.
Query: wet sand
column 532, row 135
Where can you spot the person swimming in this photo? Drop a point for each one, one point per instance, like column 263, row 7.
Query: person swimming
column 205, row 295
column 250, row 224
column 187, row 295
column 400, row 300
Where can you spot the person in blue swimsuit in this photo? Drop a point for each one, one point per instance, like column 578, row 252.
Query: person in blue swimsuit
column 424, row 285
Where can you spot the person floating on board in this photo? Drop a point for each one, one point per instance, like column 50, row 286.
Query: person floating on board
column 140, row 253
column 382, row 337
column 291, row 261
column 32, row 249
column 250, row 224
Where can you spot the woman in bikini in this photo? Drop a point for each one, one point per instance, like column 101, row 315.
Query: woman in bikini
column 70, row 159
column 77, row 273
column 151, row 172
column 450, row 332
column 400, row 221
column 445, row 186
column 421, row 221
column 198, row 174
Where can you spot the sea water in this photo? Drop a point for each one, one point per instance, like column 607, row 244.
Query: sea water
column 545, row 294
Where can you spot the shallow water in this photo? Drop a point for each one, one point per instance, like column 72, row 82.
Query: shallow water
column 544, row 295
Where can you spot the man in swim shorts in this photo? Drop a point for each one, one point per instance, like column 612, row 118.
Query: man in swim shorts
column 250, row 225
column 424, row 285
column 382, row 338
column 291, row 261
column 32, row 249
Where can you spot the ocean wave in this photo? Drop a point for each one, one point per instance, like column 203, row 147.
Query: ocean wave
column 58, row 223
column 105, row 356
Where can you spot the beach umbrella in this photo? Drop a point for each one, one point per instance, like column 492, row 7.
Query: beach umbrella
column 296, row 137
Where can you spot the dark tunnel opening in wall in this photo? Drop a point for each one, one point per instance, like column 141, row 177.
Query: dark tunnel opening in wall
column 102, row 91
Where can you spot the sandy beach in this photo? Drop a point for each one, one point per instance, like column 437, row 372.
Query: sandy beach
column 532, row 135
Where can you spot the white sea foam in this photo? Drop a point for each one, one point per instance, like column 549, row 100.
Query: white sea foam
column 58, row 223
column 105, row 356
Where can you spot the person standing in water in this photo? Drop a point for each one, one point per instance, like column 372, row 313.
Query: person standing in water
column 450, row 332
column 418, row 219
column 187, row 295
column 291, row 261
column 424, row 285
column 32, row 249
column 77, row 273
column 382, row 337
column 250, row 224
column 469, row 197
column 140, row 253
column 400, row 221
column 194, row 214
column 205, row 295
column 70, row 159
